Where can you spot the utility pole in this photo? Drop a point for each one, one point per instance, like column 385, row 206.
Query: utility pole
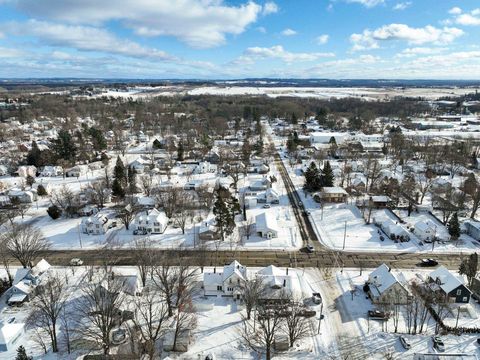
column 344, row 235
column 320, row 318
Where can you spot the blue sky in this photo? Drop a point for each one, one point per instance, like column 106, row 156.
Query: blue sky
column 215, row 39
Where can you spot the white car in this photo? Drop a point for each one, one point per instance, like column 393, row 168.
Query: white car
column 76, row 262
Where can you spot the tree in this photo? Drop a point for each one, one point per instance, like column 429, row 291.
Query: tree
column 132, row 180
column 224, row 217
column 312, row 178
column 117, row 189
column 180, row 152
column 64, row 147
column 54, row 212
column 98, row 140
column 252, row 290
column 144, row 258
column 127, row 214
column 472, row 188
column 165, row 278
column 469, row 268
column 98, row 309
column 454, row 227
column 66, row 200
column 41, row 191
column 234, row 170
column 24, row 242
column 168, row 200
column 5, row 259
column 34, row 156
column 183, row 211
column 120, row 179
column 22, row 354
column 327, row 178
column 47, row 307
column 296, row 324
column 185, row 320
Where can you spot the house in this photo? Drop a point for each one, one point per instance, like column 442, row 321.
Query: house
column 208, row 231
column 139, row 165
column 380, row 201
column 259, row 184
column 228, row 283
column 193, row 185
column 50, row 171
column 22, row 196
column 151, row 221
column 129, row 279
column 88, row 210
column 266, row 225
column 384, row 287
column 358, row 184
column 9, row 335
column 76, row 171
column 204, row 167
column 444, row 282
column 278, row 283
column 95, row 225
column 425, row 230
column 3, row 170
column 270, row 197
column 473, row 229
column 334, row 194
column 26, row 170
column 326, row 137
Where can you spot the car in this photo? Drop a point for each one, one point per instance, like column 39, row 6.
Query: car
column 307, row 212
column 378, row 315
column 428, row 262
column 309, row 248
column 406, row 345
column 266, row 206
column 438, row 344
column 76, row 262
column 11, row 320
column 316, row 298
column 112, row 225
column 139, row 232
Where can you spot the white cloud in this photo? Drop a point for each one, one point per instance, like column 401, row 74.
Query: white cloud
column 322, row 39
column 468, row 19
column 10, row 53
column 402, row 5
column 368, row 3
column 199, row 23
column 84, row 38
column 370, row 39
column 261, row 29
column 252, row 54
column 455, row 11
column 416, row 51
column 270, row 8
column 289, row 32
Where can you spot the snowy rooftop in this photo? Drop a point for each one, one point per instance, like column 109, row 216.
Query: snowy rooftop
column 445, row 279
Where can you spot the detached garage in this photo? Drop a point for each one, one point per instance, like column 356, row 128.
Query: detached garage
column 266, row 225
column 9, row 334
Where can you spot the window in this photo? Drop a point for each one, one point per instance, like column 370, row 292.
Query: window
column 157, row 230
column 219, row 288
column 459, row 292
column 156, row 223
column 230, row 289
column 464, row 299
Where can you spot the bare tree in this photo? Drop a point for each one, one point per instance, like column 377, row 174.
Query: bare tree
column 251, row 293
column 165, row 278
column 146, row 184
column 425, row 182
column 234, row 170
column 185, row 320
column 127, row 214
column 65, row 199
column 259, row 333
column 150, row 318
column 205, row 196
column 296, row 325
column 48, row 305
column 183, row 211
column 99, row 193
column 5, row 258
column 99, row 310
column 65, row 320
column 24, row 243
column 144, row 256
column 168, row 200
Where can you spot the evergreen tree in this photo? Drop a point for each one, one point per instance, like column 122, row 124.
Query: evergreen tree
column 64, row 146
column 34, row 156
column 454, row 227
column 119, row 179
column 224, row 217
column 117, row 189
column 180, row 152
column 312, row 178
column 469, row 268
column 98, row 140
column 157, row 144
column 294, row 118
column 132, row 180
column 22, row 354
column 327, row 176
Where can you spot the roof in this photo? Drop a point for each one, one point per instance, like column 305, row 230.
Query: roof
column 17, row 298
column 445, row 279
column 41, row 267
column 234, row 268
column 20, row 274
column 9, row 332
column 425, row 225
column 334, row 190
column 381, row 279
column 271, row 270
column 266, row 221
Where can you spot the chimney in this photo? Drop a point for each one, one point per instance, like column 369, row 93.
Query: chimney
column 287, row 270
column 284, row 282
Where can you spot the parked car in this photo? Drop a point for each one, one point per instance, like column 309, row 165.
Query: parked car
column 428, row 262
column 310, row 248
column 139, row 232
column 316, row 298
column 378, row 315
column 406, row 345
column 438, row 344
column 11, row 320
column 76, row 262
column 266, row 206
column 112, row 225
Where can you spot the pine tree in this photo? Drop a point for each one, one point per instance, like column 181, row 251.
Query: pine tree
column 64, row 146
column 117, row 189
column 132, row 180
column 180, row 152
column 327, row 176
column 454, row 227
column 469, row 268
column 312, row 178
column 224, row 217
column 34, row 156
column 120, row 179
column 22, row 354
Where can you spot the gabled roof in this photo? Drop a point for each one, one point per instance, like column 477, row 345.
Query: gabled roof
column 445, row 279
column 266, row 221
column 234, row 268
column 9, row 332
column 41, row 267
column 20, row 275
column 271, row 270
column 381, row 279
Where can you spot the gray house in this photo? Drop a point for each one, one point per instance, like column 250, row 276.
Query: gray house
column 473, row 229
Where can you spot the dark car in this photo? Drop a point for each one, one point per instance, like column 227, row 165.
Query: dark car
column 405, row 343
column 316, row 298
column 438, row 344
column 428, row 262
column 378, row 315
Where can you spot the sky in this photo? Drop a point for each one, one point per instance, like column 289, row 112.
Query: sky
column 233, row 39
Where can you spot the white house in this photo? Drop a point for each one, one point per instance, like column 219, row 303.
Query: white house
column 94, row 225
column 229, row 282
column 23, row 196
column 208, row 230
column 50, row 171
column 151, row 221
column 139, row 165
column 76, row 171
column 204, row 167
column 259, row 184
column 9, row 334
column 325, row 137
column 193, row 185
column 266, row 225
column 425, row 230
column 27, row 170
column 385, row 287
column 278, row 283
